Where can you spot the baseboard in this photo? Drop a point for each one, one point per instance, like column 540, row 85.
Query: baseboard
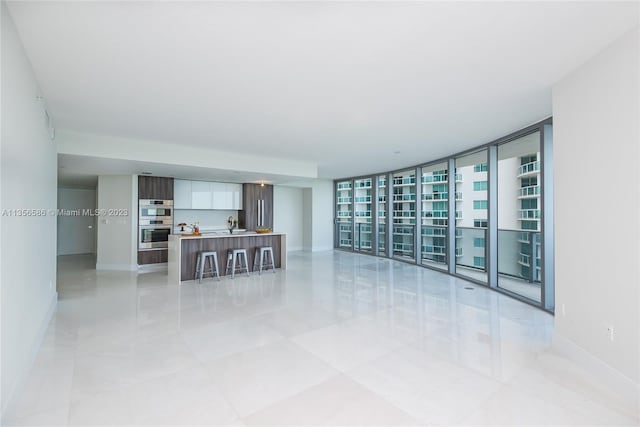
column 120, row 267
column 321, row 248
column 22, row 376
column 294, row 249
column 611, row 378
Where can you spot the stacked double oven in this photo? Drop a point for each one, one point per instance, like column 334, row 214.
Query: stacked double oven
column 155, row 222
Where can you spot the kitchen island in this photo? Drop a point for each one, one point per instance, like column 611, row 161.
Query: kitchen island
column 184, row 249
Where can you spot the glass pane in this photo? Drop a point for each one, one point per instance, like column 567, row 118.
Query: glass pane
column 362, row 191
column 472, row 215
column 344, row 232
column 519, row 264
column 382, row 215
column 404, row 214
column 435, row 212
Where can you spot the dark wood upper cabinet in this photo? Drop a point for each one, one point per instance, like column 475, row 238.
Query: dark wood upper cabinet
column 155, row 187
column 256, row 198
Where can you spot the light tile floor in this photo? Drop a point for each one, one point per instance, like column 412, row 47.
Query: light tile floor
column 337, row 339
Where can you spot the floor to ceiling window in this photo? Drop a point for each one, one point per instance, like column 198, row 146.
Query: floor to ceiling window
column 435, row 215
column 344, row 215
column 404, row 214
column 382, row 214
column 519, row 251
column 478, row 215
column 363, row 233
column 472, row 215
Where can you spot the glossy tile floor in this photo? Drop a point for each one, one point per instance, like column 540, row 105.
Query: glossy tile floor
column 337, row 339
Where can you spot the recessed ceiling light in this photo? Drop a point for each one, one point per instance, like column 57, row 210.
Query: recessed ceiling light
column 396, row 152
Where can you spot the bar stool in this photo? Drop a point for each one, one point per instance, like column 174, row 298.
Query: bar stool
column 201, row 262
column 235, row 256
column 265, row 261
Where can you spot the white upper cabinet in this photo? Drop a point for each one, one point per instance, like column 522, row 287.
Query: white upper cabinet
column 219, row 190
column 207, row 195
column 201, row 197
column 181, row 194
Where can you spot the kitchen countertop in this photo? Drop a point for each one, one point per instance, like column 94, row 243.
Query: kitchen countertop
column 225, row 234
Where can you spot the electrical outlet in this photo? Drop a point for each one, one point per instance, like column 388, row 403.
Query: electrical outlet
column 563, row 310
column 610, row 332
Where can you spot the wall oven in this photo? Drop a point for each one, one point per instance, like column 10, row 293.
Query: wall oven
column 155, row 221
column 155, row 210
column 153, row 237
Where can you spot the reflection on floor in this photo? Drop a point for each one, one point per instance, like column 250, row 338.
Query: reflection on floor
column 337, row 339
column 520, row 287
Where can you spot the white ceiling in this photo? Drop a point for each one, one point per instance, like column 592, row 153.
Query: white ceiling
column 342, row 84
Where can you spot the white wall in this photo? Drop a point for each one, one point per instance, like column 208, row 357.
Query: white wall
column 28, row 181
column 596, row 152
column 322, row 214
column 117, row 235
column 76, row 234
column 288, row 215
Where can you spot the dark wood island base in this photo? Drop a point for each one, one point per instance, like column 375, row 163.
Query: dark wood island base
column 183, row 250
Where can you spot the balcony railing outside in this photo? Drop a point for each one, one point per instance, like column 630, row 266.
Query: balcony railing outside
column 434, row 231
column 363, row 199
column 529, row 168
column 404, row 241
column 343, row 200
column 344, row 186
column 519, row 260
column 531, row 191
column 433, row 250
column 471, row 258
column 404, row 181
column 434, row 246
column 404, row 197
column 344, row 235
column 404, row 214
column 362, row 237
column 435, row 214
column 363, row 184
column 430, row 179
column 529, row 213
column 436, row 196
